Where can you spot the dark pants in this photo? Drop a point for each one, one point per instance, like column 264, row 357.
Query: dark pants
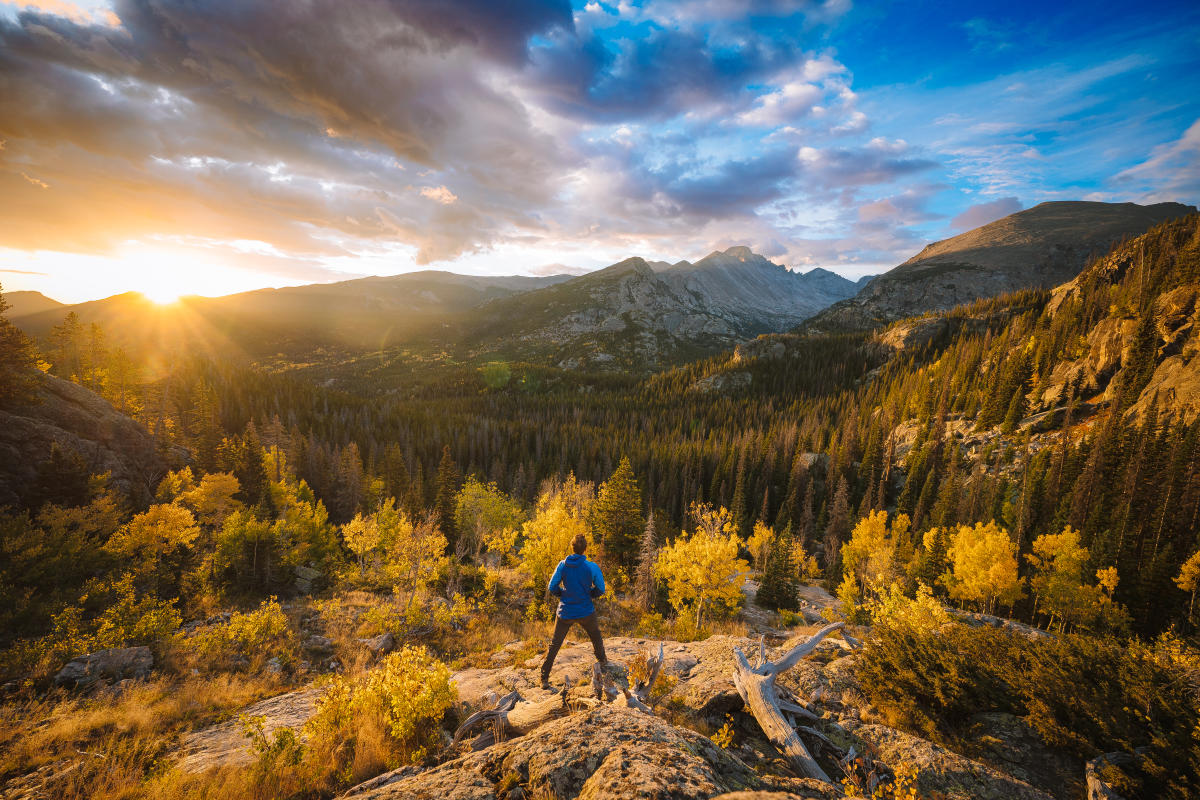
column 561, row 626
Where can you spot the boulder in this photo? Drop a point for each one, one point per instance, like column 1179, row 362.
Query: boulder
column 306, row 577
column 1098, row 788
column 380, row 645
column 613, row 753
column 113, row 664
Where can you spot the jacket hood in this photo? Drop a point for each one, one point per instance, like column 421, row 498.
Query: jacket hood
column 575, row 558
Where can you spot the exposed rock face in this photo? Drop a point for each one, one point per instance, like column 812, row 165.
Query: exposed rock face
column 942, row 771
column 112, row 664
column 82, row 422
column 1040, row 247
column 634, row 313
column 226, row 744
column 1175, row 384
column 610, row 753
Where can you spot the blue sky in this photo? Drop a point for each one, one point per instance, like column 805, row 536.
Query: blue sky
column 182, row 147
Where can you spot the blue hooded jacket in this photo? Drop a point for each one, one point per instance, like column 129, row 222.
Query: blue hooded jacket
column 575, row 582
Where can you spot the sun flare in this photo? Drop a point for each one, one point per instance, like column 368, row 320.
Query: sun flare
column 162, row 295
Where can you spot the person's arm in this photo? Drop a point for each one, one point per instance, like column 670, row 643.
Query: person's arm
column 597, row 581
column 555, row 586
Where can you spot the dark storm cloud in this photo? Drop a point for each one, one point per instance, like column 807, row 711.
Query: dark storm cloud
column 340, row 93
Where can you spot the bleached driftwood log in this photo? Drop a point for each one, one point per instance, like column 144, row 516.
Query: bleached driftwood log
column 757, row 686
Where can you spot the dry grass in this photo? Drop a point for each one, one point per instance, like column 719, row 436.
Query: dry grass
column 111, row 742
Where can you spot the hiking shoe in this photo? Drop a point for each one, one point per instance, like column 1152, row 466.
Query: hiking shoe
column 546, row 683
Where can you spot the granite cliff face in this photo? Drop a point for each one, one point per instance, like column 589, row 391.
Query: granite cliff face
column 81, row 422
column 1037, row 248
column 638, row 314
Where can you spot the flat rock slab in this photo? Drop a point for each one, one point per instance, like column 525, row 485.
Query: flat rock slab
column 226, row 744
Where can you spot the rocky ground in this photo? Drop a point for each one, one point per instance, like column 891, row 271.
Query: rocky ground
column 611, row 751
column 591, row 749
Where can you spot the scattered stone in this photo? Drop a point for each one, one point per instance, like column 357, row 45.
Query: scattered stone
column 380, row 645
column 114, row 663
column 275, row 666
column 319, row 644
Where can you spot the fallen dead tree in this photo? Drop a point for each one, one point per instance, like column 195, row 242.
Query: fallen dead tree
column 771, row 704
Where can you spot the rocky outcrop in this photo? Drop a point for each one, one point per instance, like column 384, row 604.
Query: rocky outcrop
column 611, row 753
column 113, row 664
column 1036, row 248
column 81, row 422
column 941, row 772
column 1174, row 385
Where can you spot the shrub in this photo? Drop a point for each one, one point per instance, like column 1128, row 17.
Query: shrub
column 257, row 635
column 1083, row 694
column 404, row 699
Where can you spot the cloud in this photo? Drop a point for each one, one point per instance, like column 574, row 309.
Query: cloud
column 1171, row 173
column 547, row 270
column 880, row 161
column 439, row 194
column 988, row 35
column 178, row 132
column 983, row 213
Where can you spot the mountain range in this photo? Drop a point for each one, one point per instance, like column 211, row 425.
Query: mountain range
column 629, row 314
column 635, row 315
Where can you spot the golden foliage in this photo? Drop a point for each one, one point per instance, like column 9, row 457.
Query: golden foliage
column 703, row 568
column 983, row 566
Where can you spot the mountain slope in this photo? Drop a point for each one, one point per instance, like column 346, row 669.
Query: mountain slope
column 1036, row 248
column 637, row 314
column 28, row 302
column 80, row 423
column 366, row 313
column 753, row 293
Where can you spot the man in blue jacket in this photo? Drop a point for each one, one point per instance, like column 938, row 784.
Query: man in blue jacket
column 576, row 581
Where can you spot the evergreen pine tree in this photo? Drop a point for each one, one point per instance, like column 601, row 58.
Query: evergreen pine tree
column 449, row 481
column 780, row 582
column 837, row 531
column 18, row 365
column 617, row 518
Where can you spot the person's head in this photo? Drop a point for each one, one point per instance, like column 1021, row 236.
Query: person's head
column 579, row 543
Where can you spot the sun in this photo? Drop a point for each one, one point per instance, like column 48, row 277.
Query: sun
column 163, row 275
column 162, row 295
